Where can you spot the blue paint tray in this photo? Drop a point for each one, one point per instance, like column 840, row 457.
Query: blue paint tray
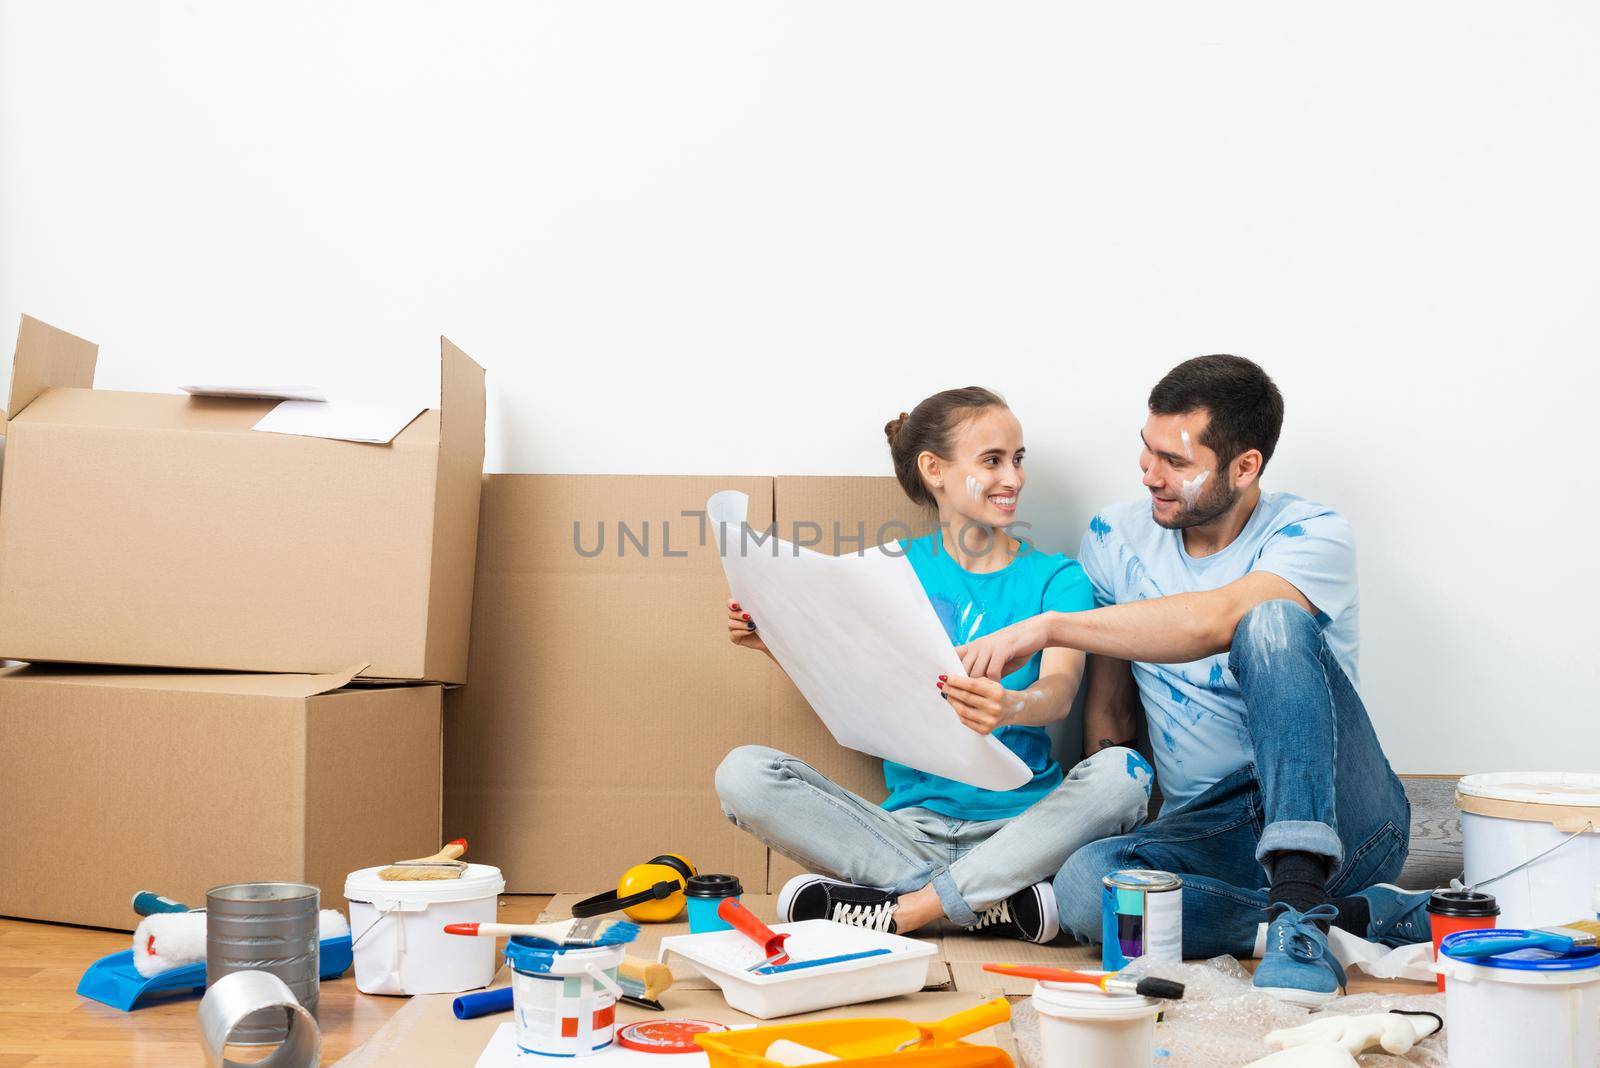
column 114, row 981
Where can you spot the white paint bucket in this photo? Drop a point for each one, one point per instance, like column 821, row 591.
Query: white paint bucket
column 1525, row 1008
column 397, row 931
column 565, row 999
column 1080, row 1025
column 1508, row 818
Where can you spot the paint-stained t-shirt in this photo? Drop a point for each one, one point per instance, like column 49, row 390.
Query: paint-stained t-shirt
column 1195, row 711
column 970, row 605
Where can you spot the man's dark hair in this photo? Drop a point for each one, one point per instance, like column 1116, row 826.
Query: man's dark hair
column 1245, row 407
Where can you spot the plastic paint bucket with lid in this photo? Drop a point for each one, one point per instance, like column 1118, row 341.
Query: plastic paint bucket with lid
column 1509, row 818
column 1080, row 1025
column 397, row 931
column 1141, row 915
column 565, row 999
column 704, row 894
column 1529, row 1007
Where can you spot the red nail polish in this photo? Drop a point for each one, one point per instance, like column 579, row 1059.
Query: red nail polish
column 747, row 616
column 943, row 678
column 940, row 685
column 736, row 607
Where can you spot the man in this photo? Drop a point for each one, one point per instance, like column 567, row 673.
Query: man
column 1230, row 615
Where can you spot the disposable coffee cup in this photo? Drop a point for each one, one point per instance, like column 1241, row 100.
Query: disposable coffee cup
column 1450, row 911
column 704, row 893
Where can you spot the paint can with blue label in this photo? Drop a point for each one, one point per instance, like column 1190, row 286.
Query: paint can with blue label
column 1141, row 915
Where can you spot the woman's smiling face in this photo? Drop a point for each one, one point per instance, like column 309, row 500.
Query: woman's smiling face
column 982, row 481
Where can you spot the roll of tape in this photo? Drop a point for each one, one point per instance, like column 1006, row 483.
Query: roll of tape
column 234, row 997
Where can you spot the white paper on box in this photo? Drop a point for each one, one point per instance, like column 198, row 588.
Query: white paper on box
column 304, row 393
column 858, row 636
column 375, row 424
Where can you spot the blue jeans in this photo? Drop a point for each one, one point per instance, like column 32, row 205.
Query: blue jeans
column 1318, row 783
column 972, row 864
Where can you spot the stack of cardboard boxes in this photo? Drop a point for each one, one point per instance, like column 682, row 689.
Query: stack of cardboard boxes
column 304, row 599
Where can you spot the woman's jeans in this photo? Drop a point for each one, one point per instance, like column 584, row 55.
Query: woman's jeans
column 973, row 864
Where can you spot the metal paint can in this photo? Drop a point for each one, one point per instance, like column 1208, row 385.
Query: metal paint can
column 1141, row 915
column 271, row 927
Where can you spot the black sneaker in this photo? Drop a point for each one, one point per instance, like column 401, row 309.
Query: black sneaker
column 1029, row 914
column 813, row 897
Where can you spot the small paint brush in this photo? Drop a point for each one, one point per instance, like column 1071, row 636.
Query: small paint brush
column 574, row 932
column 1111, row 982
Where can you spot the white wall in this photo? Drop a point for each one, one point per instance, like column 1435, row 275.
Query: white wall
column 739, row 236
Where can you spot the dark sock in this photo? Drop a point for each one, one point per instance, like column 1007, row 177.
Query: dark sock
column 1299, row 880
column 1355, row 915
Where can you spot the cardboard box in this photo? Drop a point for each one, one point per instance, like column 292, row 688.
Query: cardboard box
column 161, row 530
column 603, row 690
column 113, row 782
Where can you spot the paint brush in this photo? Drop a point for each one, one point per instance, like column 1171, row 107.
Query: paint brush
column 1111, row 982
column 1579, row 934
column 593, row 931
column 445, row 864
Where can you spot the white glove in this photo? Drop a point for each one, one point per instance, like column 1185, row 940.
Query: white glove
column 1395, row 1032
column 1322, row 1055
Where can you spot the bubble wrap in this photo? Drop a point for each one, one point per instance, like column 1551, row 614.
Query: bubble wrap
column 1221, row 1020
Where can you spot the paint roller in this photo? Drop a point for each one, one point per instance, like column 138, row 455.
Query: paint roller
column 167, row 940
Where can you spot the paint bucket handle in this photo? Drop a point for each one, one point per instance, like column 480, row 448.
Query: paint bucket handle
column 1588, row 825
column 603, row 979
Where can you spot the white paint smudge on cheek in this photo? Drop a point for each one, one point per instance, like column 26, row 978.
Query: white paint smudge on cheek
column 1190, row 488
column 974, row 488
column 1188, row 450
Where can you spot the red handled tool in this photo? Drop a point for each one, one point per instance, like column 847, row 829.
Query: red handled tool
column 744, row 921
column 1111, row 982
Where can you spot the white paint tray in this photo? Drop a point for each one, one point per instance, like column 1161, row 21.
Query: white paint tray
column 724, row 956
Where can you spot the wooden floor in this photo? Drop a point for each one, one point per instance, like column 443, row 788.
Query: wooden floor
column 45, row 1024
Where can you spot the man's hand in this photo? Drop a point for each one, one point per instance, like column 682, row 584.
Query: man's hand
column 997, row 655
column 983, row 704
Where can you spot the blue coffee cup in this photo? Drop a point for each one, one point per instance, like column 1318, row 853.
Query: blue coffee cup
column 705, row 894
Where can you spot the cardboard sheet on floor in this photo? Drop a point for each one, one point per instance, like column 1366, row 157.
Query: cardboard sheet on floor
column 427, row 1032
column 686, row 976
column 966, row 953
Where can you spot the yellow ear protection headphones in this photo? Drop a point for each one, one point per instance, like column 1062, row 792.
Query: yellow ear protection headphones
column 651, row 892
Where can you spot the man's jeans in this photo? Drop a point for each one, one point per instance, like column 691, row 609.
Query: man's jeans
column 973, row 864
column 1319, row 783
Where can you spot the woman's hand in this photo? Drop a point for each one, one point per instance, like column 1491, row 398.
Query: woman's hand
column 997, row 655
column 983, row 704
column 742, row 630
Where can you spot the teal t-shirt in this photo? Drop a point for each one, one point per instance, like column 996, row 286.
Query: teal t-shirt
column 971, row 605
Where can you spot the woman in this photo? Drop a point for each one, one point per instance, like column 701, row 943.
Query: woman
column 937, row 847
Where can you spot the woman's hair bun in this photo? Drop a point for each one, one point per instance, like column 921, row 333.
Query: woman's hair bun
column 892, row 427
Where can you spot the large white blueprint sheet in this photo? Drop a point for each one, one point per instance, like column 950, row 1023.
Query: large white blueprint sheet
column 858, row 637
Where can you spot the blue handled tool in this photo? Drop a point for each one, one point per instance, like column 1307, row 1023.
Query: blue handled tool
column 1554, row 939
column 148, row 903
column 482, row 1003
column 793, row 966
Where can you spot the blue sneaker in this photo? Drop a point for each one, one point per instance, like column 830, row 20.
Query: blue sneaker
column 1399, row 917
column 1298, row 966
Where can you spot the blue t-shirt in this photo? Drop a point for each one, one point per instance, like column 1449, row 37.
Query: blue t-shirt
column 1195, row 711
column 971, row 605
